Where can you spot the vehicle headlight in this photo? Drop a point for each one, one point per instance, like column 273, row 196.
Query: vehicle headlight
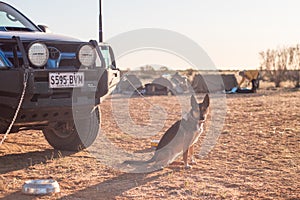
column 87, row 55
column 38, row 54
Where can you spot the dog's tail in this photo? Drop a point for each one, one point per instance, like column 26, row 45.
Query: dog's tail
column 139, row 162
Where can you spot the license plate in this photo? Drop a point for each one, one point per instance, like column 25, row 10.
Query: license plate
column 66, row 80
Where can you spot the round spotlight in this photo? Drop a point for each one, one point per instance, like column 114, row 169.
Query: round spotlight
column 87, row 55
column 38, row 54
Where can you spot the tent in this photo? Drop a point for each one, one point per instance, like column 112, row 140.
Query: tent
column 128, row 84
column 213, row 83
column 180, row 83
column 167, row 84
column 159, row 86
column 229, row 81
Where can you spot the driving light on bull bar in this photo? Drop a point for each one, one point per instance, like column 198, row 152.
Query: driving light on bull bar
column 38, row 54
column 87, row 55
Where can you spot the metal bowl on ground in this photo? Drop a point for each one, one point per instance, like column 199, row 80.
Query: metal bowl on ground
column 40, row 187
column 154, row 143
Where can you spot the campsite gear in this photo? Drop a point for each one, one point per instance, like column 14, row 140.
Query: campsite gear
column 180, row 83
column 239, row 90
column 166, row 84
column 252, row 76
column 249, row 75
column 154, row 143
column 157, row 89
column 234, row 89
column 244, row 90
column 40, row 187
column 142, row 94
column 160, row 86
column 213, row 83
column 255, row 85
column 129, row 84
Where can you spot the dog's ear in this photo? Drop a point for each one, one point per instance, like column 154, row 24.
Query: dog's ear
column 194, row 103
column 206, row 101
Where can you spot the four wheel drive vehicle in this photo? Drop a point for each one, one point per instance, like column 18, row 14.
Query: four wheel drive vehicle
column 51, row 82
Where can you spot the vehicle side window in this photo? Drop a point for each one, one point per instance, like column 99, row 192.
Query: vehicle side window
column 107, row 58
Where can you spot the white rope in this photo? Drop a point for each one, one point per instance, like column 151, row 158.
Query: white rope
column 18, row 108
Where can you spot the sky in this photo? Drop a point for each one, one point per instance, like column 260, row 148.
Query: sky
column 231, row 32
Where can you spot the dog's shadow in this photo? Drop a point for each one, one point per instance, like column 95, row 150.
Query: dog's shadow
column 148, row 150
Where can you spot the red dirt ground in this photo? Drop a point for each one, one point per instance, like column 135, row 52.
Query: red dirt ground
column 257, row 156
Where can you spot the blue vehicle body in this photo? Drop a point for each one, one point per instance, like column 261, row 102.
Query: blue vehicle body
column 49, row 101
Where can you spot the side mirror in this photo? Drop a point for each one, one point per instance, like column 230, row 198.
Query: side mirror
column 44, row 28
column 114, row 67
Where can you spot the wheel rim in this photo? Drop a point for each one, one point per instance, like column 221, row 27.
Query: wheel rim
column 63, row 130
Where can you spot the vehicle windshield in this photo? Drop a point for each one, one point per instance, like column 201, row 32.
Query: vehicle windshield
column 12, row 20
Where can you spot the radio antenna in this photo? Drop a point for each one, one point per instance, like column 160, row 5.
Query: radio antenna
column 100, row 22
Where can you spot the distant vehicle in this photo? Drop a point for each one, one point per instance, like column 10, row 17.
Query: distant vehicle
column 51, row 78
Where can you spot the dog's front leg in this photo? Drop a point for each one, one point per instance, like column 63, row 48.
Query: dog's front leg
column 188, row 138
column 191, row 152
column 185, row 159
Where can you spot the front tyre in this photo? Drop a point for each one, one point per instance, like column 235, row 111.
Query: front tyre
column 72, row 136
column 3, row 127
